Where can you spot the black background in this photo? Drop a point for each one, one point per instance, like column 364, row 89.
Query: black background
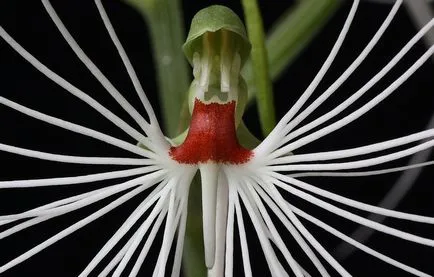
column 408, row 110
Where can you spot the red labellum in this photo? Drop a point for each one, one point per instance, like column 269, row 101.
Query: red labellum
column 211, row 137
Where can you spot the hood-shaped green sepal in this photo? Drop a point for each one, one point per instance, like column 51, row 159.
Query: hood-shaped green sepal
column 213, row 19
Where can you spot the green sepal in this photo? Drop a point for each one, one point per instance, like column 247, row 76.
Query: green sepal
column 246, row 138
column 176, row 141
column 213, row 19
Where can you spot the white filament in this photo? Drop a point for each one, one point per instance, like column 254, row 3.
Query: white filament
column 346, row 73
column 80, row 224
column 357, row 244
column 93, row 68
column 361, row 111
column 272, row 260
column 274, row 136
column 78, row 129
column 362, row 173
column 363, row 150
column 127, row 64
column 353, row 217
column 356, row 164
column 77, row 179
column 355, row 204
column 129, row 222
column 290, row 227
column 73, row 159
column 319, row 248
column 70, row 88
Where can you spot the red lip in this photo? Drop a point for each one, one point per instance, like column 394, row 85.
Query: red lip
column 211, row 137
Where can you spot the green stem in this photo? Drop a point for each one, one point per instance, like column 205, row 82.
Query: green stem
column 260, row 64
column 164, row 18
column 290, row 35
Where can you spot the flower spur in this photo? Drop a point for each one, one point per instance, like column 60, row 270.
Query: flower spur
column 232, row 176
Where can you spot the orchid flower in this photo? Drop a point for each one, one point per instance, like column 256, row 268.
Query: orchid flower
column 239, row 184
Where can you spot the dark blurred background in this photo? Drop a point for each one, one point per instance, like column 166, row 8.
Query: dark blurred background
column 408, row 110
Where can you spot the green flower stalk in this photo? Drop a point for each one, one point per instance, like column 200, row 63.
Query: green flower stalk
column 239, row 180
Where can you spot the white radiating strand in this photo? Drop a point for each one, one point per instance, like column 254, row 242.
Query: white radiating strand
column 272, row 260
column 359, row 112
column 353, row 203
column 70, row 88
column 353, row 217
column 262, row 230
column 355, row 243
column 290, row 227
column 61, row 181
column 160, row 268
column 140, row 233
column 243, row 239
column 156, row 135
column 265, row 234
column 355, row 164
column 282, row 203
column 126, row 226
column 361, row 91
column 96, row 72
column 178, row 199
column 361, row 173
column 239, row 174
column 148, row 243
column 391, row 200
column 149, row 180
column 73, row 159
column 116, row 259
column 174, row 213
column 305, row 273
column 59, row 203
column 176, row 270
column 275, row 135
column 79, row 129
column 60, row 210
column 318, row 101
column 351, row 152
column 71, row 229
column 229, row 255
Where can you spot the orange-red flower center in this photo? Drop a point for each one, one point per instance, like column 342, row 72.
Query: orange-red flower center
column 211, row 137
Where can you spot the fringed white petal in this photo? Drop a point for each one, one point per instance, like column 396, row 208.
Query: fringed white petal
column 71, row 88
column 62, row 181
column 362, row 173
column 362, row 110
column 353, row 203
column 274, row 137
column 93, row 68
column 324, row 96
column 73, row 159
column 353, row 217
column 357, row 244
column 80, row 224
column 78, row 129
